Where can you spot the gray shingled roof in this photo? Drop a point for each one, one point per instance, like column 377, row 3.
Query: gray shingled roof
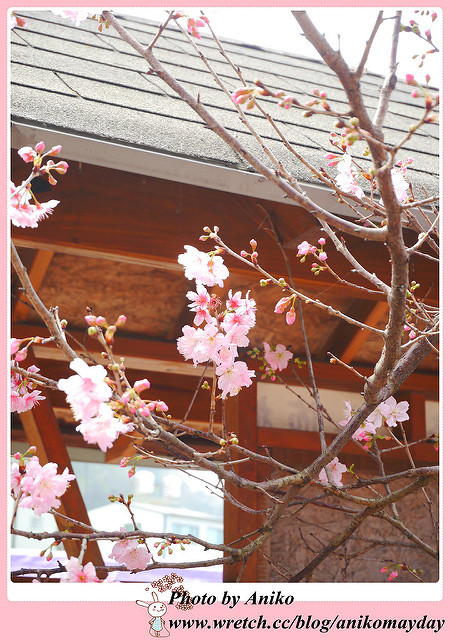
column 79, row 81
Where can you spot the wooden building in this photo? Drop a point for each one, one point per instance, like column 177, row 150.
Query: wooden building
column 145, row 177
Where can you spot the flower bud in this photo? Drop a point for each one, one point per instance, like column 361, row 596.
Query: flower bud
column 40, row 147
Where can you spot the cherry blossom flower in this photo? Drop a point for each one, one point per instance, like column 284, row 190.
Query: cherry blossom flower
column 130, row 553
column 22, row 213
column 77, row 16
column 365, row 432
column 103, row 429
column 233, row 377
column 210, row 339
column 278, row 359
column 24, row 395
column 204, row 269
column 201, row 301
column 336, row 469
column 304, row 248
column 348, row 412
column 75, row 572
column 87, row 390
column 16, row 21
column 345, row 179
column 193, row 26
column 187, row 344
column 394, row 412
column 42, row 486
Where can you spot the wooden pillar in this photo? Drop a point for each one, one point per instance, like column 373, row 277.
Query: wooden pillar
column 241, row 420
column 42, row 430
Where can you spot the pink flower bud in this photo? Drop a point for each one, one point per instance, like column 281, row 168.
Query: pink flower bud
column 414, row 93
column 322, row 256
column 55, row 150
column 321, row 241
column 121, row 320
column 281, row 304
column 124, row 461
column 21, row 355
column 428, row 78
column 140, row 385
column 410, row 79
column 290, row 316
column 90, row 319
column 14, row 345
column 27, row 154
column 40, row 147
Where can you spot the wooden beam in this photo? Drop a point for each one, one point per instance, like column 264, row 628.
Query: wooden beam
column 289, row 439
column 240, row 414
column 376, row 314
column 162, row 357
column 36, row 274
column 169, row 217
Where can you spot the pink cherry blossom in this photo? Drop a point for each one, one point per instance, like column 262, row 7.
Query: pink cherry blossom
column 365, row 432
column 77, row 16
column 345, row 179
column 348, row 412
column 394, row 412
column 193, row 26
column 187, row 344
column 201, row 301
column 23, row 214
column 17, row 21
column 27, row 154
column 233, row 377
column 336, row 469
column 130, row 553
column 103, row 429
column 87, row 390
column 24, row 395
column 278, row 359
column 322, row 256
column 304, row 248
column 42, row 486
column 75, row 572
column 204, row 269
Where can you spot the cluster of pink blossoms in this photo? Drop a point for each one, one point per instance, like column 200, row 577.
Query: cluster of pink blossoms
column 24, row 209
column 130, row 553
column 24, row 395
column 347, row 178
column 87, row 393
column 224, row 331
column 389, row 413
column 38, row 487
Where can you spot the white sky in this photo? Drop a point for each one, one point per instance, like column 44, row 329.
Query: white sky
column 276, row 28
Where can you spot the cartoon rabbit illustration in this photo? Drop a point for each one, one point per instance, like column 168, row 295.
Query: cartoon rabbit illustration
column 156, row 610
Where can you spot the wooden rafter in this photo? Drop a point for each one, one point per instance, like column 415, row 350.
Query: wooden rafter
column 36, row 274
